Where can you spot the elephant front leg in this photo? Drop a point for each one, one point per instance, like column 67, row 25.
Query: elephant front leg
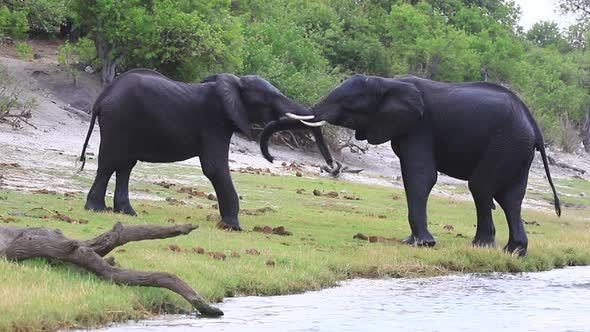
column 418, row 183
column 217, row 171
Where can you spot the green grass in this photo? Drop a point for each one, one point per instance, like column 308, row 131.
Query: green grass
column 39, row 294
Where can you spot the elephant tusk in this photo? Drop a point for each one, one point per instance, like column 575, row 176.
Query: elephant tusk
column 314, row 124
column 299, row 117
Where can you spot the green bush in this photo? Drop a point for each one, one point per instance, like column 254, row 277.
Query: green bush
column 13, row 23
column 24, row 51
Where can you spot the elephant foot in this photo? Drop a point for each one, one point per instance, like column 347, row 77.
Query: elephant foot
column 227, row 227
column 484, row 242
column 125, row 209
column 422, row 241
column 516, row 248
column 95, row 206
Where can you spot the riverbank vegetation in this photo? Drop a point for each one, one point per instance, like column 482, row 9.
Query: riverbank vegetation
column 320, row 250
column 306, row 47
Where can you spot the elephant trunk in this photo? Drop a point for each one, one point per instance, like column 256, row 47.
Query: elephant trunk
column 293, row 124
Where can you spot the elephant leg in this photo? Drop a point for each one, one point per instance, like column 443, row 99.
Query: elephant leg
column 510, row 199
column 485, row 234
column 418, row 186
column 419, row 177
column 121, row 200
column 419, row 174
column 216, row 169
column 95, row 199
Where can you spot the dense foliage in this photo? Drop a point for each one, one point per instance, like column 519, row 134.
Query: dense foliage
column 307, row 47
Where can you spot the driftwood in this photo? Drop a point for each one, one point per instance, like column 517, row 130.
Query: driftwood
column 21, row 243
column 339, row 169
column 81, row 114
column 554, row 162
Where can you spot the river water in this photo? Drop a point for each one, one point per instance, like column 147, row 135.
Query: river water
column 557, row 300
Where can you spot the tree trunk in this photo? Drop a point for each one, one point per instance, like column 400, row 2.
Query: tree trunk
column 586, row 132
column 21, row 243
column 105, row 50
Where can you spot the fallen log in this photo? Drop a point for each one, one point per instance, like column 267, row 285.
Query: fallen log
column 554, row 162
column 22, row 243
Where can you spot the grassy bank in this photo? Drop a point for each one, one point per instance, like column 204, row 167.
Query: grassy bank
column 321, row 251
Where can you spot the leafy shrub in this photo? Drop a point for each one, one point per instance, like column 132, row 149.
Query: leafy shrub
column 13, row 23
column 24, row 51
column 13, row 109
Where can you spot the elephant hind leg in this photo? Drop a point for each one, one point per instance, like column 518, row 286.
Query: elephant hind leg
column 121, row 199
column 482, row 192
column 95, row 199
column 510, row 199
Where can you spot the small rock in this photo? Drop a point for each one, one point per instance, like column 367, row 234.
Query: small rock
column 198, row 250
column 281, row 231
column 300, row 191
column 171, row 221
column 174, row 201
column 332, row 194
column 174, row 248
column 89, row 70
column 217, row 255
column 298, row 174
column 317, row 192
column 252, row 251
column 263, row 229
column 270, row 262
column 448, row 228
column 395, row 197
column 235, row 254
column 360, row 236
column 212, row 197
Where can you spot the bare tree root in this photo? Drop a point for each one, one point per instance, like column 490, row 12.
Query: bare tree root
column 21, row 243
column 339, row 169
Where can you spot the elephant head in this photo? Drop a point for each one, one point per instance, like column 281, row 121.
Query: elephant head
column 251, row 99
column 378, row 109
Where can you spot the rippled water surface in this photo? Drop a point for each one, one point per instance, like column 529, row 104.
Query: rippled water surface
column 557, row 300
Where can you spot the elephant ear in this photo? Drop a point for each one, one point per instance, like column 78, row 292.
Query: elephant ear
column 399, row 110
column 229, row 90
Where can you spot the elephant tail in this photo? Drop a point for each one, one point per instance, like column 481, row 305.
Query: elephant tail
column 540, row 145
column 90, row 129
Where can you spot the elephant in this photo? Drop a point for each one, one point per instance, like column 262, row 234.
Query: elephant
column 479, row 132
column 145, row 116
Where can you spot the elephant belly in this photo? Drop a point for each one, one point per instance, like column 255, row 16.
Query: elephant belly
column 164, row 150
column 458, row 164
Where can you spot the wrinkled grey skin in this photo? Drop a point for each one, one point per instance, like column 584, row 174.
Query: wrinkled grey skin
column 145, row 116
column 479, row 132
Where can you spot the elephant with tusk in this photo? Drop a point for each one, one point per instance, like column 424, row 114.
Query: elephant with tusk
column 479, row 132
column 145, row 116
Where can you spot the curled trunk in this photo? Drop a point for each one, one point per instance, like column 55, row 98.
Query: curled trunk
column 293, row 124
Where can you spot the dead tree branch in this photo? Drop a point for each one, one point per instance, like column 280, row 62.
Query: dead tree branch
column 21, row 243
column 554, row 162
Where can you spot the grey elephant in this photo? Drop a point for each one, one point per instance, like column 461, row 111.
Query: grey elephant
column 145, row 116
column 479, row 132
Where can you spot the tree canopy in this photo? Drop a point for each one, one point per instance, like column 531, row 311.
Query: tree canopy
column 306, row 47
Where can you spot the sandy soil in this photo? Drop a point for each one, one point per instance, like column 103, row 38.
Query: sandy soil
column 45, row 156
